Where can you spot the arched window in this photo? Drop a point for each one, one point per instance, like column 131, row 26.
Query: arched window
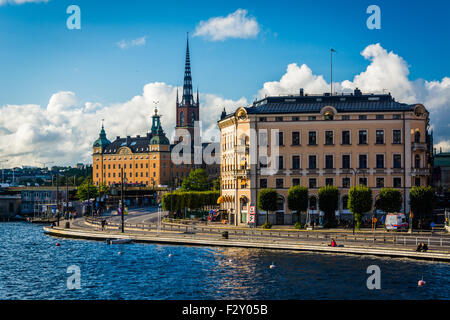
column 417, row 136
column 417, row 161
column 181, row 119
column 280, row 203
column 192, row 118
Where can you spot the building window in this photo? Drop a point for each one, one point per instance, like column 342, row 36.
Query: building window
column 329, row 181
column 279, row 119
column 397, row 161
column 396, row 136
column 362, row 117
column 345, row 161
column 279, row 183
column 363, row 161
column 328, row 116
column 379, row 117
column 311, row 118
column 313, row 203
column 380, row 182
column 363, row 181
column 295, row 118
column 362, row 137
column 263, row 138
column 396, row 116
column 312, row 183
column 346, row 137
column 380, row 161
column 379, row 137
column 328, row 137
column 328, row 161
column 295, row 138
column 281, row 138
column 417, row 137
column 295, row 162
column 346, row 117
column 181, row 119
column 417, row 182
column 263, row 119
column 280, row 162
column 397, row 182
column 312, row 138
column 312, row 162
column 263, row 183
column 296, row 182
column 263, row 161
column 417, row 161
column 346, row 183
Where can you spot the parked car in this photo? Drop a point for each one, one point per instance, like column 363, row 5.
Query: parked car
column 396, row 221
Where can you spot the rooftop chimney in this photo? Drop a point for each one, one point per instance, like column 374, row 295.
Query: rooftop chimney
column 358, row 92
column 301, row 92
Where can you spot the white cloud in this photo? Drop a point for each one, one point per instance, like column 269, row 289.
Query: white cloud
column 234, row 25
column 386, row 72
column 66, row 128
column 4, row 2
column 138, row 42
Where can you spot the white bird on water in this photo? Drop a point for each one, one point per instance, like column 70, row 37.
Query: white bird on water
column 272, row 266
column 170, row 255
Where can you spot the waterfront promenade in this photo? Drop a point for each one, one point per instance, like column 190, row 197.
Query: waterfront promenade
column 400, row 245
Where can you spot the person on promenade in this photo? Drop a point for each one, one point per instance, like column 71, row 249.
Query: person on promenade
column 333, row 243
column 103, row 224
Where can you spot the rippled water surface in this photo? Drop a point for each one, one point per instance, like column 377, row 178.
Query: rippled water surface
column 33, row 267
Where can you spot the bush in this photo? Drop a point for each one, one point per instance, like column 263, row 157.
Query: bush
column 298, row 225
column 329, row 203
column 359, row 202
column 267, row 201
column 266, row 225
column 298, row 199
column 421, row 200
column 389, row 200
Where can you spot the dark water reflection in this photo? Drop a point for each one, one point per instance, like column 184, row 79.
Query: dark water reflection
column 32, row 267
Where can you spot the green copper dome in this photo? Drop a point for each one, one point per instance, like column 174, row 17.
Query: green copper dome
column 159, row 140
column 102, row 141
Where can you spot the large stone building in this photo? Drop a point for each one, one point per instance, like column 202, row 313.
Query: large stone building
column 318, row 140
column 146, row 160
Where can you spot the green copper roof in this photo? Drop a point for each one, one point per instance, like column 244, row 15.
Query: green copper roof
column 102, row 141
column 442, row 160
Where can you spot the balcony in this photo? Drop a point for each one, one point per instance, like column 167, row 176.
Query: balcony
column 420, row 171
column 417, row 146
column 329, row 171
column 313, row 171
column 242, row 173
column 397, row 170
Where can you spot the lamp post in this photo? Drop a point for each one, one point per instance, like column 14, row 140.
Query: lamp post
column 3, row 161
column 355, row 172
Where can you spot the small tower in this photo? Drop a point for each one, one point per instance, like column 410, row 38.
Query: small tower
column 101, row 142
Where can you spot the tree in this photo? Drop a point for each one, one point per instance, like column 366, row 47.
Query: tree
column 298, row 199
column 329, row 203
column 389, row 200
column 421, row 200
column 359, row 202
column 267, row 201
column 216, row 184
column 82, row 191
column 196, row 181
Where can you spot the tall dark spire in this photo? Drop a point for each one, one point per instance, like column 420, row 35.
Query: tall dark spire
column 188, row 98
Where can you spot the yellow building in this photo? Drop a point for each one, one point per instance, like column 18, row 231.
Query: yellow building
column 318, row 140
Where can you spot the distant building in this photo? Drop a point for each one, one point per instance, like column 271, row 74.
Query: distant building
column 441, row 171
column 34, row 198
column 9, row 204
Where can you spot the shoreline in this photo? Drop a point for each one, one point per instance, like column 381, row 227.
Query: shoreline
column 274, row 244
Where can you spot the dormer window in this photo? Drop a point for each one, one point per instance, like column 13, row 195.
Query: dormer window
column 328, row 115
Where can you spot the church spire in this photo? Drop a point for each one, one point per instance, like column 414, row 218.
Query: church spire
column 188, row 98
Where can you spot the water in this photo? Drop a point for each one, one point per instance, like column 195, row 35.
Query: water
column 32, row 267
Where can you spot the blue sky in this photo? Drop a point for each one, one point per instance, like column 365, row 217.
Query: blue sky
column 57, row 84
column 40, row 55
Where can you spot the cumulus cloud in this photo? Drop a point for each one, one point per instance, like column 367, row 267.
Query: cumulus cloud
column 3, row 2
column 138, row 42
column 234, row 25
column 65, row 129
column 386, row 72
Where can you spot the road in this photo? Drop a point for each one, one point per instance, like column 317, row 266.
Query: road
column 140, row 215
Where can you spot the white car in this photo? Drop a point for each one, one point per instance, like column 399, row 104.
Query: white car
column 396, row 221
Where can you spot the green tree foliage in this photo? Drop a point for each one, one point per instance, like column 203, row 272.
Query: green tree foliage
column 329, row 203
column 196, row 181
column 216, row 184
column 359, row 202
column 421, row 200
column 298, row 199
column 389, row 200
column 178, row 201
column 82, row 191
column 267, row 201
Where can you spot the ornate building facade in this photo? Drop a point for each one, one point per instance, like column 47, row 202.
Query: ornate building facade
column 146, row 160
column 341, row 140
